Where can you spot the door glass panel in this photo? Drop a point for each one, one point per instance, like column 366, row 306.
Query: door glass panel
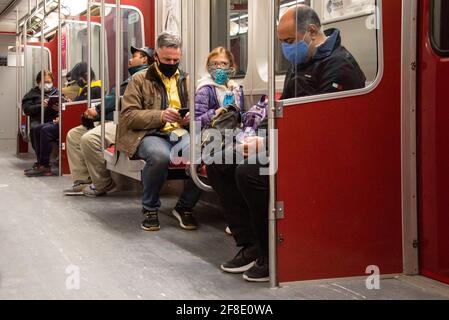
column 312, row 42
column 440, row 26
column 229, row 29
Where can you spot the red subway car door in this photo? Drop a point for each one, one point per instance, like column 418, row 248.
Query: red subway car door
column 433, row 139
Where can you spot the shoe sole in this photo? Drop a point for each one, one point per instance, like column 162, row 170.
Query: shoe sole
column 238, row 270
column 94, row 196
column 266, row 279
column 34, row 175
column 152, row 229
column 73, row 194
column 177, row 216
column 39, row 175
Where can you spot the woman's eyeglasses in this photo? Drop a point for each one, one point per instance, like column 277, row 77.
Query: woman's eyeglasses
column 219, row 64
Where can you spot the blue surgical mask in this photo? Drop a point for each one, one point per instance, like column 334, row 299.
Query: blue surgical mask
column 296, row 53
column 220, row 76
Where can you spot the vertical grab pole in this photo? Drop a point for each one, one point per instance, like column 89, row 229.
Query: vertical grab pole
column 18, row 84
column 25, row 27
column 192, row 88
column 102, row 75
column 89, row 56
column 42, row 68
column 60, row 84
column 118, row 53
column 24, row 68
column 19, row 105
column 272, row 147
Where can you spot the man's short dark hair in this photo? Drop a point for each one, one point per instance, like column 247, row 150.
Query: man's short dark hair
column 46, row 73
column 80, row 71
column 306, row 16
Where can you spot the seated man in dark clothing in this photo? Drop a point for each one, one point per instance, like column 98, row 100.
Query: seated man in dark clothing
column 31, row 102
column 319, row 65
column 80, row 75
column 47, row 133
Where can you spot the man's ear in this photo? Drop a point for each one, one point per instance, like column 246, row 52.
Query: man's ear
column 313, row 31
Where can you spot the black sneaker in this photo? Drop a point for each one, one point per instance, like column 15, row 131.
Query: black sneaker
column 186, row 219
column 151, row 222
column 242, row 261
column 259, row 272
column 35, row 166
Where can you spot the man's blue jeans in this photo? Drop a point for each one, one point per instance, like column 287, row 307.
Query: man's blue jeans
column 157, row 151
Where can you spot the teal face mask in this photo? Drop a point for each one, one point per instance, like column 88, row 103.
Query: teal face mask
column 220, row 76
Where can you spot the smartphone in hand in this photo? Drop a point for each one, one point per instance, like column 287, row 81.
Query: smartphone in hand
column 183, row 112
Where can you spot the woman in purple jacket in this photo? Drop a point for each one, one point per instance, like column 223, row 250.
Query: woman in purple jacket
column 216, row 91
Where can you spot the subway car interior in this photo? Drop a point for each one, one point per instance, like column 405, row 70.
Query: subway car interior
column 349, row 100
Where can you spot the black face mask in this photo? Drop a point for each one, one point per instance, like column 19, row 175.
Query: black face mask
column 168, row 70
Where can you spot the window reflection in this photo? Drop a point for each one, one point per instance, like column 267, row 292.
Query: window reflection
column 238, row 33
column 440, row 26
column 229, row 29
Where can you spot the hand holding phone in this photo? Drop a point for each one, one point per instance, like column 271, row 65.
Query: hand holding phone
column 183, row 112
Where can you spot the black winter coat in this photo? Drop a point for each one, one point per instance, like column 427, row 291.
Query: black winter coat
column 31, row 105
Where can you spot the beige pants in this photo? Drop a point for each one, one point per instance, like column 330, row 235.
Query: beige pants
column 86, row 158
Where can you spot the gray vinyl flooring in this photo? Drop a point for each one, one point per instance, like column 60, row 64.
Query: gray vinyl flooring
column 43, row 235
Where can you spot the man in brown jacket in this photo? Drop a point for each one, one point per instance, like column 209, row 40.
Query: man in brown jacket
column 151, row 128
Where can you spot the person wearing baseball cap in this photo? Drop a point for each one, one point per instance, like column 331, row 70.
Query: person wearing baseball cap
column 139, row 53
column 88, row 168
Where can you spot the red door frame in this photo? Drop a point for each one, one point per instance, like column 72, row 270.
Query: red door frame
column 433, row 154
column 340, row 177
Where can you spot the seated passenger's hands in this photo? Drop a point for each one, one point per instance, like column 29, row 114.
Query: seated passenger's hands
column 219, row 110
column 45, row 103
column 186, row 120
column 251, row 146
column 171, row 115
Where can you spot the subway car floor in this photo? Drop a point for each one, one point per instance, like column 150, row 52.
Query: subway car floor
column 43, row 235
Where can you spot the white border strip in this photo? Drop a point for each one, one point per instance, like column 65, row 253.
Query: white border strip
column 409, row 137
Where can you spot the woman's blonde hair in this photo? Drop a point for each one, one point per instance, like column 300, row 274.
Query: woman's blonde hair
column 219, row 51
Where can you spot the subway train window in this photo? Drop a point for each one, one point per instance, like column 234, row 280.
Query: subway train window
column 440, row 26
column 132, row 35
column 238, row 34
column 132, row 30
column 229, row 29
column 33, row 59
column 76, row 33
column 329, row 47
column 75, row 40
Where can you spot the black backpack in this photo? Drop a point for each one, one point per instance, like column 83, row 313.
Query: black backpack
column 226, row 123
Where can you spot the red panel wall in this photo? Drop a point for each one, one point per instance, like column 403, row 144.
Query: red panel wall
column 433, row 156
column 52, row 45
column 340, row 178
column 71, row 118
